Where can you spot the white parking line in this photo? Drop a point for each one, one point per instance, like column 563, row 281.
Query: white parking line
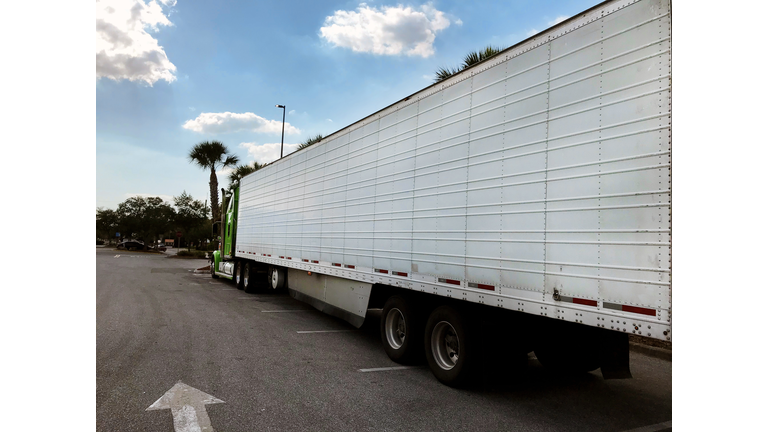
column 653, row 428
column 286, row 310
column 389, row 368
column 323, row 331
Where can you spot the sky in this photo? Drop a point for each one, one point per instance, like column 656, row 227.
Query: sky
column 171, row 74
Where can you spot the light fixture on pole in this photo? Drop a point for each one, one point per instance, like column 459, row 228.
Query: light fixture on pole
column 283, row 133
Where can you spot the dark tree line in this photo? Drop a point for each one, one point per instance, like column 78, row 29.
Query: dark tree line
column 149, row 219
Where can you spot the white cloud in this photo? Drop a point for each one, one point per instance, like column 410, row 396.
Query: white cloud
column 389, row 30
column 224, row 172
column 124, row 48
column 166, row 198
column 459, row 22
column 266, row 153
column 291, row 112
column 215, row 123
column 531, row 32
column 191, row 108
column 330, row 120
column 558, row 20
column 428, row 77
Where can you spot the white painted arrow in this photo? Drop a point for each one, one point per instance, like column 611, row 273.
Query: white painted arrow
column 187, row 404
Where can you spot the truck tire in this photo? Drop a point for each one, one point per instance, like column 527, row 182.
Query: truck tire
column 237, row 275
column 276, row 277
column 249, row 280
column 213, row 270
column 401, row 330
column 449, row 346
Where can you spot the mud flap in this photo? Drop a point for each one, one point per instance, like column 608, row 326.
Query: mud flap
column 614, row 355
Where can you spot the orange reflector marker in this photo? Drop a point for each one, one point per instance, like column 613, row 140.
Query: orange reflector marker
column 482, row 286
column 638, row 310
column 585, row 302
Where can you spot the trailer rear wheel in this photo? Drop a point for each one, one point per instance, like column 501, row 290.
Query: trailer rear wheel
column 249, row 282
column 237, row 275
column 401, row 330
column 276, row 278
column 449, row 346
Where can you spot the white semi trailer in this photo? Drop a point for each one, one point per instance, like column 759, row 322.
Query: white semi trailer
column 525, row 202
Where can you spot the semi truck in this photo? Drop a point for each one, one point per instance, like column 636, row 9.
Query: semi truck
column 521, row 205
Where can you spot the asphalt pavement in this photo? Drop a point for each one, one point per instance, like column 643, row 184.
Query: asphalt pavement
column 278, row 364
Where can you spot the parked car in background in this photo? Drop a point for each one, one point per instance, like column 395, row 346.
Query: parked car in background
column 161, row 248
column 130, row 245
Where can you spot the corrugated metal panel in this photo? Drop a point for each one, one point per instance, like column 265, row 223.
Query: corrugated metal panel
column 547, row 168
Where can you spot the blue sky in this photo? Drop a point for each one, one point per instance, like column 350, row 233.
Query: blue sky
column 173, row 73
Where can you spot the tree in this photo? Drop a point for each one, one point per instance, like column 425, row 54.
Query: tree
column 212, row 155
column 106, row 223
column 309, row 141
column 470, row 59
column 241, row 171
column 191, row 216
column 144, row 218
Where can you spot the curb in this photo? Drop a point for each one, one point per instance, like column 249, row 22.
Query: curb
column 650, row 351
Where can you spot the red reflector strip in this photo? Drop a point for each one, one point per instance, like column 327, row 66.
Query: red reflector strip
column 269, row 255
column 305, row 260
column 450, row 281
column 287, row 257
column 482, row 286
column 336, row 264
column 263, row 254
column 400, row 274
column 585, row 302
column 315, row 262
column 349, row 266
column 382, row 271
column 282, row 257
column 638, row 310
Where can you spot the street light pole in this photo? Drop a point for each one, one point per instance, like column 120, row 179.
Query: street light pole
column 282, row 135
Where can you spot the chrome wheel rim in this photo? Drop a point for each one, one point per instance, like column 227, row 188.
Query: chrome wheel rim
column 246, row 274
column 274, row 278
column 237, row 274
column 394, row 328
column 445, row 345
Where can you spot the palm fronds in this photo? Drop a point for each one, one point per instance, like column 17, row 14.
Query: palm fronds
column 309, row 141
column 470, row 59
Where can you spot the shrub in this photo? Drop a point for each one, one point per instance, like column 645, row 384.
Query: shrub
column 191, row 253
column 99, row 242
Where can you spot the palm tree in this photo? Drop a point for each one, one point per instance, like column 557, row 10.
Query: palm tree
column 309, row 141
column 470, row 59
column 212, row 155
column 241, row 171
